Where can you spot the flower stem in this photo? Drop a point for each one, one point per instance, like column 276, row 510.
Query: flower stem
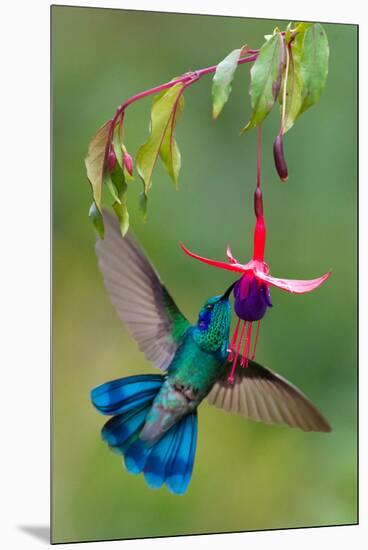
column 187, row 79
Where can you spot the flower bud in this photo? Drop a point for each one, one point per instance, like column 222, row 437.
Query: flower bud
column 128, row 163
column 258, row 203
column 278, row 155
column 111, row 159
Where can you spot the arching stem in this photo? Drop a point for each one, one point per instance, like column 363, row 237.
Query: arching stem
column 186, row 79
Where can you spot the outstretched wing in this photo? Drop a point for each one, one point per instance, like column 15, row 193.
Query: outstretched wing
column 262, row 395
column 141, row 300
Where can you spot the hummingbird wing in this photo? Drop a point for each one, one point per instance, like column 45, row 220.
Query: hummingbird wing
column 141, row 300
column 262, row 395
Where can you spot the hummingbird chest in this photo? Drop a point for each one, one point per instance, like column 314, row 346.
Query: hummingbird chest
column 195, row 368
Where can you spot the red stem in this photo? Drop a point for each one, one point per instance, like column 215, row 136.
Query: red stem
column 187, row 79
column 259, row 158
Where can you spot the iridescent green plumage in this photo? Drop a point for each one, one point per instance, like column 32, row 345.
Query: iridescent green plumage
column 197, row 364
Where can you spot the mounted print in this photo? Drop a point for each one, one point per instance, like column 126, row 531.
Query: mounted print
column 204, row 274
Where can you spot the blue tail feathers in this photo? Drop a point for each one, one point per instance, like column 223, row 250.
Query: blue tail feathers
column 169, row 460
column 125, row 394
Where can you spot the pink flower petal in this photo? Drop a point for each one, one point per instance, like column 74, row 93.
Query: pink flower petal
column 229, row 255
column 293, row 285
column 238, row 268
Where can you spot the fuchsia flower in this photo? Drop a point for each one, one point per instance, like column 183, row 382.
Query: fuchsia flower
column 251, row 291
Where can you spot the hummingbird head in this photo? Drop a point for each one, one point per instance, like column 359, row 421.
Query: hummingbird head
column 212, row 329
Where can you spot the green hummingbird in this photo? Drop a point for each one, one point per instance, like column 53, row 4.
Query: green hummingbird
column 154, row 417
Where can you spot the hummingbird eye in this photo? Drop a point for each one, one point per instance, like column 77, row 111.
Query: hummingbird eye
column 209, row 307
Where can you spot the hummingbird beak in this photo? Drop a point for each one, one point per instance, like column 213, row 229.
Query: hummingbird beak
column 226, row 294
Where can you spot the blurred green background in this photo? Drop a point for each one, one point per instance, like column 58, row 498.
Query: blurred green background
column 247, row 476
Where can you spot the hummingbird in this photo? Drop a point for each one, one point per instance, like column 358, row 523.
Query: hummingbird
column 153, row 422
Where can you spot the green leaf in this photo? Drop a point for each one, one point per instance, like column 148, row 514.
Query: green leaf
column 127, row 176
column 117, row 185
column 294, row 87
column 111, row 186
column 95, row 161
column 115, row 182
column 122, row 213
column 169, row 150
column 221, row 86
column 302, row 27
column 117, row 148
column 143, row 204
column 313, row 64
column 118, row 180
column 161, row 114
column 266, row 75
column 97, row 219
column 288, row 33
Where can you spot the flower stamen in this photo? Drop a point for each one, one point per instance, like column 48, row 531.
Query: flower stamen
column 233, row 343
column 237, row 341
column 231, row 375
column 256, row 341
column 245, row 357
column 249, row 339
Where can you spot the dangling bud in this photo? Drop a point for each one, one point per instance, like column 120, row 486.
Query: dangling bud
column 128, row 162
column 111, row 159
column 258, row 202
column 278, row 155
